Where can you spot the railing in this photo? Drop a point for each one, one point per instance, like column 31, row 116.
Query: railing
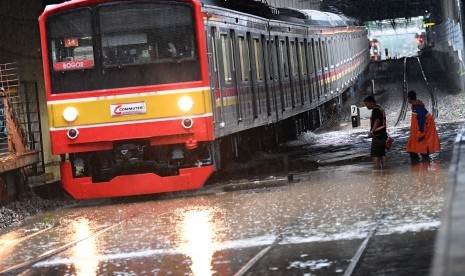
column 9, row 78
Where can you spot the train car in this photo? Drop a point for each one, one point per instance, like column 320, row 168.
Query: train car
column 375, row 50
column 154, row 96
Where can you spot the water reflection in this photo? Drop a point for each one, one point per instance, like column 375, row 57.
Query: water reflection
column 7, row 247
column 84, row 254
column 198, row 237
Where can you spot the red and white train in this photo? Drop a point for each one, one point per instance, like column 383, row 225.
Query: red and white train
column 151, row 96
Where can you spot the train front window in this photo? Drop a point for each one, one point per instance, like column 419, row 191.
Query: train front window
column 122, row 44
column 71, row 41
column 146, row 33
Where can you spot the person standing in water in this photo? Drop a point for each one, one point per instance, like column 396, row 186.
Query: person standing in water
column 423, row 138
column 378, row 133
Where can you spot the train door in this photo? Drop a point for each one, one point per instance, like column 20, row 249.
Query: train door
column 319, row 68
column 324, row 65
column 283, row 65
column 268, row 77
column 215, row 85
column 303, row 71
column 236, row 75
column 294, row 73
column 228, row 93
column 331, row 67
column 314, row 75
column 274, row 75
column 338, row 62
column 254, row 72
column 243, row 67
column 310, row 69
column 262, row 101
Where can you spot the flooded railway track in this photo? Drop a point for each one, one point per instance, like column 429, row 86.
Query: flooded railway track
column 413, row 68
column 19, row 267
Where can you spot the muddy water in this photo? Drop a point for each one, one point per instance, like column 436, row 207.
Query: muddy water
column 329, row 210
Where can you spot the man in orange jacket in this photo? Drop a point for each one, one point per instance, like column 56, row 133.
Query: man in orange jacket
column 423, row 134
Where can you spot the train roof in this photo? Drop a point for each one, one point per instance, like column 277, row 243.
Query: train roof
column 307, row 17
column 320, row 18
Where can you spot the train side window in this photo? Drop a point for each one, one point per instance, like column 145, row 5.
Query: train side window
column 258, row 58
column 329, row 46
column 283, row 59
column 243, row 56
column 213, row 42
column 324, row 55
column 311, row 69
column 303, row 59
column 232, row 43
column 71, row 41
column 317, row 57
column 274, row 61
column 293, row 53
column 225, row 55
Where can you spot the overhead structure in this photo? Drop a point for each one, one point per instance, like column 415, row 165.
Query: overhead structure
column 373, row 10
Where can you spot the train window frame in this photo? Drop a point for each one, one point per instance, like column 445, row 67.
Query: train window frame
column 232, row 40
column 293, row 58
column 330, row 53
column 213, row 45
column 310, row 58
column 154, row 56
column 317, row 52
column 283, row 59
column 70, row 65
column 324, row 55
column 275, row 76
column 258, row 56
column 303, row 58
column 227, row 74
column 242, row 58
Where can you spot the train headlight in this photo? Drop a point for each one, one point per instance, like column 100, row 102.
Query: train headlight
column 185, row 103
column 70, row 114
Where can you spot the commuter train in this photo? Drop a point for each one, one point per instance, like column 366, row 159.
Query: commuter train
column 152, row 96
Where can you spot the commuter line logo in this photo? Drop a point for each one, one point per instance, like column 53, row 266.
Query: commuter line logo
column 123, row 109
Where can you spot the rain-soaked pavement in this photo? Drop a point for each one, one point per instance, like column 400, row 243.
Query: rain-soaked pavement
column 312, row 226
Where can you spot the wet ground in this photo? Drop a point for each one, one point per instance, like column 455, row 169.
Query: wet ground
column 312, row 226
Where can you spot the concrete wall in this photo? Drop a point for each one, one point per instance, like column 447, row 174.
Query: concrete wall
column 449, row 45
column 19, row 42
column 451, row 9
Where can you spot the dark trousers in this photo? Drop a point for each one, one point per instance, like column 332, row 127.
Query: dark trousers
column 414, row 158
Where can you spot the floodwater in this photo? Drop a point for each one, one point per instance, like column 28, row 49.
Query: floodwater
column 314, row 224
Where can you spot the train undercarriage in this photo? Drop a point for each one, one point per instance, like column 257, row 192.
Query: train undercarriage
column 137, row 157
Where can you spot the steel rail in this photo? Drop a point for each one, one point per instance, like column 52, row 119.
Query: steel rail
column 21, row 266
column 434, row 102
column 356, row 260
column 13, row 242
column 245, row 268
column 403, row 109
column 15, row 269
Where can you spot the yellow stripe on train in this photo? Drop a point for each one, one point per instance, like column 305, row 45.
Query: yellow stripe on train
column 129, row 108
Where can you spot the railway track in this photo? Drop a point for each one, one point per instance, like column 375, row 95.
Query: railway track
column 407, row 85
column 355, row 261
column 19, row 267
column 16, row 241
